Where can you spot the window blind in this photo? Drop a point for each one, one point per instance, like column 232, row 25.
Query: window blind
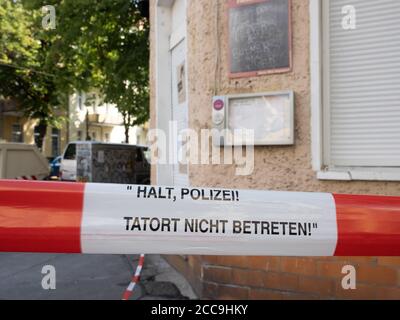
column 362, row 90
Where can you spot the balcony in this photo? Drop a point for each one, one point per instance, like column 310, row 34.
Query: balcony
column 9, row 108
column 107, row 120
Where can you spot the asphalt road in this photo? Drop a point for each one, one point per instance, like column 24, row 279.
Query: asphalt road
column 87, row 277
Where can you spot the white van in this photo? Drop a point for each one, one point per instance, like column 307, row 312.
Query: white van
column 68, row 163
column 105, row 163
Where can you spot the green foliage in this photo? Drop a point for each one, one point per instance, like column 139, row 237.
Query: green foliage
column 96, row 44
column 24, row 73
column 16, row 40
column 103, row 45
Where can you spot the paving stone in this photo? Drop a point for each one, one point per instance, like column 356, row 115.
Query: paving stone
column 162, row 289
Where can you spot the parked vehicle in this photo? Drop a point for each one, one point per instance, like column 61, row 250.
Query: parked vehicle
column 105, row 163
column 68, row 163
column 22, row 161
column 55, row 168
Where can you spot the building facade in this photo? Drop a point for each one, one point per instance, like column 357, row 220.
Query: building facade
column 341, row 63
column 90, row 118
column 95, row 120
column 15, row 127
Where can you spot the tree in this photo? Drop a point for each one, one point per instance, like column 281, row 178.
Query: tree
column 96, row 44
column 131, row 98
column 24, row 75
column 103, row 45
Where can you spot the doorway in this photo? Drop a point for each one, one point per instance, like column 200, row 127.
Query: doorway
column 172, row 100
column 179, row 109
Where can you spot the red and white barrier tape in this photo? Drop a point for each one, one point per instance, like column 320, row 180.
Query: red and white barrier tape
column 119, row 219
column 135, row 279
column 27, row 178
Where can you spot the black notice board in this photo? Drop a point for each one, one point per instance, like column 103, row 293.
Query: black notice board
column 259, row 37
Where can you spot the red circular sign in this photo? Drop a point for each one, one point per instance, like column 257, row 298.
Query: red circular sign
column 218, row 104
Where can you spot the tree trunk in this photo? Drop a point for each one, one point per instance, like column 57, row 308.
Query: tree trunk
column 127, row 121
column 127, row 133
column 42, row 128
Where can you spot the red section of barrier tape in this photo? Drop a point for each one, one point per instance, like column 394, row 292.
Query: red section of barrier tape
column 368, row 225
column 40, row 216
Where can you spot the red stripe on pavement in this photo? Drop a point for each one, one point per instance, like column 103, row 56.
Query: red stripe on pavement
column 368, row 225
column 40, row 216
column 127, row 295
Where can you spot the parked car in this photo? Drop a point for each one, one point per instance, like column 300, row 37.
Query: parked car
column 105, row 163
column 55, row 168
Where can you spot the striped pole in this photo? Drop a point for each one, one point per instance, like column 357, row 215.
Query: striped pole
column 55, row 217
column 135, row 279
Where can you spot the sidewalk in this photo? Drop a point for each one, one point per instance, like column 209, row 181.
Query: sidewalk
column 159, row 281
column 88, row 277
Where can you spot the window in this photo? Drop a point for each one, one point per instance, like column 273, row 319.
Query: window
column 55, row 142
column 80, row 101
column 17, row 133
column 92, row 100
column 358, row 94
column 36, row 135
column 79, row 135
column 70, row 153
column 94, row 136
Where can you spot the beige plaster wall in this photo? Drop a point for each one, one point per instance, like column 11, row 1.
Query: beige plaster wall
column 276, row 168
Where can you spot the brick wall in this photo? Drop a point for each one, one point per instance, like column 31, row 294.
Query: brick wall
column 282, row 278
column 276, row 168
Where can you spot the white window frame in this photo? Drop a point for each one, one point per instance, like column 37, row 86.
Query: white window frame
column 319, row 139
column 20, row 132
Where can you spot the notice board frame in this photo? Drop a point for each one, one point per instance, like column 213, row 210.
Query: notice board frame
column 233, row 75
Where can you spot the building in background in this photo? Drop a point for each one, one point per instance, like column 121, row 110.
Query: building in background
column 88, row 117
column 92, row 119
column 15, row 127
column 341, row 61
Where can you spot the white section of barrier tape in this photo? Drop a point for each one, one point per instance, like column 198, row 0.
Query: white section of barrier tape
column 131, row 220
